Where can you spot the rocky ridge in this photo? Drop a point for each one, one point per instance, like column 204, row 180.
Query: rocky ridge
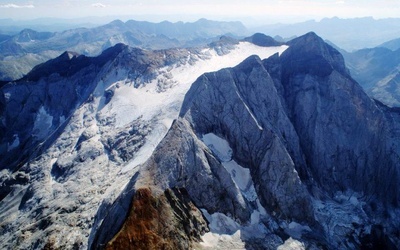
column 282, row 150
column 91, row 127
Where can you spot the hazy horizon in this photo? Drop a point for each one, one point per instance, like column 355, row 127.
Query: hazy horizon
column 250, row 13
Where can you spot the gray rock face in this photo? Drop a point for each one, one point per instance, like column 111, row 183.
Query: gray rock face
column 215, row 189
column 343, row 133
column 317, row 149
column 257, row 137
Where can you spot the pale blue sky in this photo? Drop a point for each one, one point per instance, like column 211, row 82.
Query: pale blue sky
column 190, row 10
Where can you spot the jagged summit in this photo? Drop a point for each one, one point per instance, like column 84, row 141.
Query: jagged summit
column 310, row 54
column 262, row 40
column 117, row 22
column 66, row 64
column 69, row 63
column 110, row 53
column 251, row 63
column 29, row 35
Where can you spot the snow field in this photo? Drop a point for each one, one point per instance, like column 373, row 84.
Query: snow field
column 161, row 107
column 221, row 226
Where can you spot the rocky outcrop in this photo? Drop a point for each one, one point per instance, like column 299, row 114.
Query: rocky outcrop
column 167, row 221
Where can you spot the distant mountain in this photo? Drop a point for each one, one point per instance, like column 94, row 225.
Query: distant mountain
column 11, row 26
column 29, row 35
column 4, row 37
column 349, row 34
column 377, row 70
column 202, row 28
column 263, row 40
column 28, row 48
column 393, row 44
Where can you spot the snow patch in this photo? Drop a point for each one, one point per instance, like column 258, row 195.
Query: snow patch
column 248, row 110
column 225, row 233
column 240, row 175
column 218, row 146
column 296, row 230
column 62, row 119
column 261, row 209
column 42, row 124
column 222, row 241
column 7, row 96
column 220, row 223
column 292, row 244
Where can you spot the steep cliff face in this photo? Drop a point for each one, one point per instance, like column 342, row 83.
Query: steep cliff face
column 242, row 106
column 286, row 147
column 343, row 134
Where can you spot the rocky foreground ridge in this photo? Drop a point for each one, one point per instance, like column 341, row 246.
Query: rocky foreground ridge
column 284, row 151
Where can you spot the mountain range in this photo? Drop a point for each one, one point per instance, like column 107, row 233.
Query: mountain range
column 240, row 144
column 349, row 34
column 21, row 52
column 378, row 71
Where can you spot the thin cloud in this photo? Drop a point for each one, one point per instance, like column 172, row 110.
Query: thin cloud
column 15, row 6
column 99, row 5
